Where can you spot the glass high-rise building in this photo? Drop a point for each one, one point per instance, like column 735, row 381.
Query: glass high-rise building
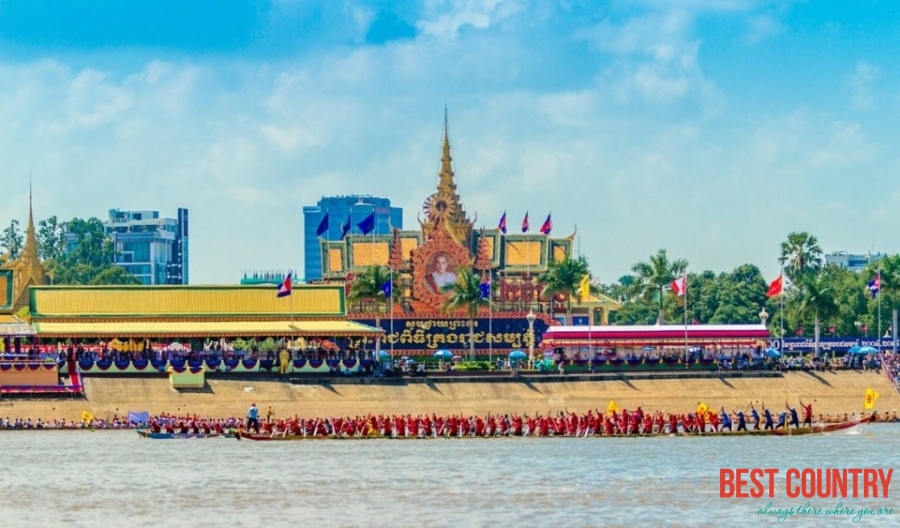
column 153, row 249
column 342, row 209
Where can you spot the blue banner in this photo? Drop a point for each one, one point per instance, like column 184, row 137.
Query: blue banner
column 829, row 344
column 501, row 334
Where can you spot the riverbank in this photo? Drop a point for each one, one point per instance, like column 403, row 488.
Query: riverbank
column 830, row 392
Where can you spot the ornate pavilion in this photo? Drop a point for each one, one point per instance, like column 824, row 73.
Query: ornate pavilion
column 446, row 239
column 30, row 309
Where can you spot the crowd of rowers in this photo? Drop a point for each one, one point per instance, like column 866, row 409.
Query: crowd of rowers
column 564, row 424
column 591, row 423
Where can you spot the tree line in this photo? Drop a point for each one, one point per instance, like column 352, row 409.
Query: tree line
column 814, row 295
column 76, row 251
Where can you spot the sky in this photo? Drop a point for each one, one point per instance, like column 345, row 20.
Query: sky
column 709, row 128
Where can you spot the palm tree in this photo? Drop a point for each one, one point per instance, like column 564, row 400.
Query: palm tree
column 564, row 276
column 369, row 286
column 816, row 297
column 466, row 294
column 800, row 255
column 655, row 276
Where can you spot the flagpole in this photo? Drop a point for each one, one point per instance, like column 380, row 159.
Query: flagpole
column 781, row 300
column 391, row 341
column 878, row 278
column 685, row 314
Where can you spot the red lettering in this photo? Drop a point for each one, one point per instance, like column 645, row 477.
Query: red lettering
column 726, row 483
column 792, row 492
column 771, row 472
column 758, row 490
column 855, row 472
column 870, row 477
column 885, row 480
column 808, row 483
column 741, row 483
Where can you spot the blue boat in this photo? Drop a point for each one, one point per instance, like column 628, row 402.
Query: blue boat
column 144, row 433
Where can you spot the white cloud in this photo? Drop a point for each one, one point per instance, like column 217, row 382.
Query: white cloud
column 860, row 85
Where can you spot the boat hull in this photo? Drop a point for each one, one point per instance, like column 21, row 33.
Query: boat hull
column 799, row 431
column 180, row 436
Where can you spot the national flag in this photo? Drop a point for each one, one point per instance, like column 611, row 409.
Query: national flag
column 323, row 225
column 525, row 223
column 547, row 225
column 346, row 227
column 485, row 288
column 679, row 285
column 368, row 224
column 612, row 407
column 831, row 329
column 284, row 289
column 584, row 289
column 502, row 225
column 875, row 285
column 799, row 331
column 871, row 396
column 86, row 417
column 776, row 287
column 387, row 288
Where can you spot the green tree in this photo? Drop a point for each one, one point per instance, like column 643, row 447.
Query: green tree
column 113, row 275
column 91, row 245
column 656, row 276
column 465, row 294
column 800, row 255
column 368, row 287
column 741, row 296
column 564, row 277
column 51, row 239
column 815, row 299
column 12, row 240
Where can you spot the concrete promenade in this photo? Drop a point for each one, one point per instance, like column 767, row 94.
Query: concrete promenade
column 829, row 392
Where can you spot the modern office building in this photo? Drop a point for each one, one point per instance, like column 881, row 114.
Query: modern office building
column 343, row 211
column 153, row 249
column 851, row 261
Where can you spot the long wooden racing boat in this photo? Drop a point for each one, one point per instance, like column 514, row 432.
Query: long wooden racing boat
column 815, row 429
column 144, row 433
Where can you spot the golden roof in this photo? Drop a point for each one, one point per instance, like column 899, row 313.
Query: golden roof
column 205, row 329
column 185, row 301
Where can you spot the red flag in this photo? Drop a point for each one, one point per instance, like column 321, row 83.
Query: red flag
column 284, row 289
column 679, row 285
column 831, row 329
column 525, row 223
column 548, row 225
column 799, row 331
column 776, row 287
column 502, row 226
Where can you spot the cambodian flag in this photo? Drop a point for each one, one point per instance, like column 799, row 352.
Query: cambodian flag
column 485, row 288
column 502, row 226
column 548, row 225
column 284, row 289
column 875, row 285
column 525, row 223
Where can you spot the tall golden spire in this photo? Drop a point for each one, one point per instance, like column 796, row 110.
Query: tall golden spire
column 27, row 269
column 446, row 184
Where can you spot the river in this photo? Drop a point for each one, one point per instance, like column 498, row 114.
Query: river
column 83, row 478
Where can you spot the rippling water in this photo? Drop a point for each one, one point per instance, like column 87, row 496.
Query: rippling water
column 93, row 479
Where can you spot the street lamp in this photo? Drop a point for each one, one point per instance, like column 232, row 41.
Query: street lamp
column 530, row 318
column 763, row 316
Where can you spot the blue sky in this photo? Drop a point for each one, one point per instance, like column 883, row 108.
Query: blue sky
column 709, row 128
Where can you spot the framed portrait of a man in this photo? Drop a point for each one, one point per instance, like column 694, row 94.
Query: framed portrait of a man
column 440, row 272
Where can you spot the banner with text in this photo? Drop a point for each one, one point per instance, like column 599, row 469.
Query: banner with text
column 499, row 334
